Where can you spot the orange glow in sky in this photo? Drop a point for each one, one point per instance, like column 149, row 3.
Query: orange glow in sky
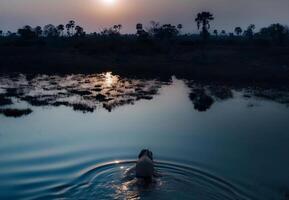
column 109, row 2
column 94, row 15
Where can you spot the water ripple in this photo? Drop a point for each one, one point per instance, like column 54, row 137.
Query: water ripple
column 109, row 180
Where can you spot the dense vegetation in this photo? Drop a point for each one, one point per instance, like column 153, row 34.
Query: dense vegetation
column 273, row 34
column 160, row 49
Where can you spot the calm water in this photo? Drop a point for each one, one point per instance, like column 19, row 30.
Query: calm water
column 78, row 144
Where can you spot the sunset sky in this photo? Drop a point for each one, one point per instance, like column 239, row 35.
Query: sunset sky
column 94, row 15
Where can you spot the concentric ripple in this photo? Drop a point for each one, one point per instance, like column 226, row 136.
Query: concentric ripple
column 111, row 181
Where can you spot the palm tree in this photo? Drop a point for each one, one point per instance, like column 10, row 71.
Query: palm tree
column 27, row 27
column 70, row 26
column 117, row 27
column 60, row 29
column 141, row 33
column 250, row 31
column 154, row 27
column 180, row 27
column 139, row 29
column 238, row 31
column 79, row 31
column 112, row 31
column 203, row 19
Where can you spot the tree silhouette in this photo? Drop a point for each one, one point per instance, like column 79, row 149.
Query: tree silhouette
column 216, row 32
column 154, row 26
column 117, row 27
column 223, row 33
column 1, row 33
column 113, row 31
column 276, row 32
column 50, row 31
column 38, row 31
column 203, row 20
column 250, row 31
column 141, row 33
column 180, row 27
column 238, row 31
column 26, row 32
column 139, row 28
column 79, row 31
column 60, row 29
column 70, row 26
column 166, row 31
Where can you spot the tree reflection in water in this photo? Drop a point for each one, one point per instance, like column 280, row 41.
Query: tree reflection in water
column 86, row 93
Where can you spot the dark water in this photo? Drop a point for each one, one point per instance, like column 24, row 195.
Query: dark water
column 84, row 133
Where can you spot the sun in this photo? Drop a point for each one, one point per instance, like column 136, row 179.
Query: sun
column 109, row 2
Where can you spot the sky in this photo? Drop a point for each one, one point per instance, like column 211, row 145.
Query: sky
column 94, row 15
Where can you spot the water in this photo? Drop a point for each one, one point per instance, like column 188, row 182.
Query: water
column 235, row 148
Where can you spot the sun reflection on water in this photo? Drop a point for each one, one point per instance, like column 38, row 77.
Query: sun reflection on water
column 110, row 80
column 83, row 93
column 128, row 190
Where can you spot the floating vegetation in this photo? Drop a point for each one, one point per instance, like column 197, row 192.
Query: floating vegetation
column 4, row 100
column 82, row 107
column 221, row 92
column 201, row 100
column 280, row 96
column 100, row 97
column 85, row 93
column 15, row 112
column 81, row 92
column 204, row 96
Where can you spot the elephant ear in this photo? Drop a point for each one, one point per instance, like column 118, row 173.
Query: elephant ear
column 150, row 155
column 146, row 152
column 142, row 153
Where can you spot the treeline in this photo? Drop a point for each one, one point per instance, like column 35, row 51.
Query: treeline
column 273, row 34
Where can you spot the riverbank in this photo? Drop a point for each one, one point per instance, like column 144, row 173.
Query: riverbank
column 219, row 63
